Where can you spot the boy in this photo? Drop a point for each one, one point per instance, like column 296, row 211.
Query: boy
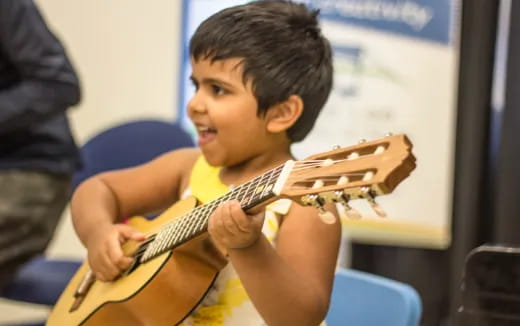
column 262, row 72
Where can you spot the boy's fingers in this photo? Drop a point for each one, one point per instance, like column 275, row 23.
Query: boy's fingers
column 211, row 224
column 228, row 221
column 218, row 224
column 240, row 219
column 117, row 261
column 129, row 232
column 214, row 218
column 257, row 219
column 107, row 271
column 124, row 262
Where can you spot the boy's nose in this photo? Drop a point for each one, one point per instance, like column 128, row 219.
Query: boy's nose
column 196, row 106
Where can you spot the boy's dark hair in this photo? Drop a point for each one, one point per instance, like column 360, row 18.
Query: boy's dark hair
column 283, row 51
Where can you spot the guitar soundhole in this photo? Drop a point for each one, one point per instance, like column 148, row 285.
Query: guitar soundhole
column 138, row 254
column 136, row 263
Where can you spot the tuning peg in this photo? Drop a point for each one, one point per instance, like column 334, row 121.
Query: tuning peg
column 343, row 199
column 340, row 197
column 336, row 147
column 325, row 216
column 389, row 134
column 369, row 196
column 353, row 156
column 362, row 140
column 379, row 150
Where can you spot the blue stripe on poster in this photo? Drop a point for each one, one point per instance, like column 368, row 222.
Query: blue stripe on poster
column 423, row 19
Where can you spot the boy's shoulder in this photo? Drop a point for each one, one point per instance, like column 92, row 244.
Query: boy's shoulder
column 178, row 161
column 183, row 158
column 176, row 165
column 185, row 153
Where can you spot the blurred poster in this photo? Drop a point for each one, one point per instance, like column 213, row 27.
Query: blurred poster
column 396, row 66
column 396, row 70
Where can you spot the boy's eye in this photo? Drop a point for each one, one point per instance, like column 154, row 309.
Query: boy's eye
column 195, row 84
column 217, row 90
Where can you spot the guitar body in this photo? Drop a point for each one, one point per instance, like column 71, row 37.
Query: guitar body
column 162, row 291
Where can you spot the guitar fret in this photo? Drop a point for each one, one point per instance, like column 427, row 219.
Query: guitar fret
column 248, row 192
column 196, row 222
column 175, row 232
column 191, row 222
column 255, row 184
column 266, row 186
column 240, row 193
column 170, row 230
column 202, row 221
column 161, row 243
column 183, row 230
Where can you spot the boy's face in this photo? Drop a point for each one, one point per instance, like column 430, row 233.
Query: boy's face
column 224, row 111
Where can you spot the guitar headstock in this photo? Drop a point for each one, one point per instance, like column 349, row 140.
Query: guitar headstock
column 366, row 170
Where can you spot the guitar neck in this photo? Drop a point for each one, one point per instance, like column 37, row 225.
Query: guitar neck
column 258, row 191
column 361, row 171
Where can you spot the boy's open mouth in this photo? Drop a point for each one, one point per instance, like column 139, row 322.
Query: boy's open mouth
column 206, row 134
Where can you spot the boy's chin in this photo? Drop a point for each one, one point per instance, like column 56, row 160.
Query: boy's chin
column 213, row 159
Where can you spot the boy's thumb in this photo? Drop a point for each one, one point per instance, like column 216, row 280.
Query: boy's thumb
column 130, row 233
column 258, row 218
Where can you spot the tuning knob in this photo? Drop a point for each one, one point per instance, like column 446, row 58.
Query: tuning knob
column 369, row 196
column 340, row 197
column 325, row 216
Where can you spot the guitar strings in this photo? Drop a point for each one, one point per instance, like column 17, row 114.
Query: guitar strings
column 300, row 165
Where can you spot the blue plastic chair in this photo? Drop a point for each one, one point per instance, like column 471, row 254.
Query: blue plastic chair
column 42, row 280
column 364, row 299
column 130, row 144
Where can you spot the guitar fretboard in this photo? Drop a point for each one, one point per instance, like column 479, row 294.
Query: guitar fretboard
column 195, row 222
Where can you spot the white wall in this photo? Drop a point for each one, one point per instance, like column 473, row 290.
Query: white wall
column 127, row 53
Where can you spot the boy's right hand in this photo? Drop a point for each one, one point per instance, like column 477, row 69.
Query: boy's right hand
column 105, row 255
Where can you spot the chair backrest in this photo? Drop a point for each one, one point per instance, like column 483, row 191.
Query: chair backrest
column 41, row 280
column 364, row 299
column 129, row 144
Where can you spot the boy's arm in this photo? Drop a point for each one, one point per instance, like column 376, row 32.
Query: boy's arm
column 108, row 198
column 291, row 285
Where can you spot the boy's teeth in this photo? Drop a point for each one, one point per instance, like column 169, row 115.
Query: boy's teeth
column 205, row 129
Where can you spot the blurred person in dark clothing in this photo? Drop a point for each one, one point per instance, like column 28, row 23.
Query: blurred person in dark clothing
column 38, row 154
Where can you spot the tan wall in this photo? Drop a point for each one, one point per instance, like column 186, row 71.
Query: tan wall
column 127, row 54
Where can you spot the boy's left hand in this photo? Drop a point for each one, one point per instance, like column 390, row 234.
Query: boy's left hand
column 232, row 228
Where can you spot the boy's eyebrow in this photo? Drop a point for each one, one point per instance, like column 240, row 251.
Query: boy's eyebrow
column 211, row 81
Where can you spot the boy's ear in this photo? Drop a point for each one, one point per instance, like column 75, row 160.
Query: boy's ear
column 283, row 115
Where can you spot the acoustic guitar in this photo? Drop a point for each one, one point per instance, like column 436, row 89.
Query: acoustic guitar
column 176, row 265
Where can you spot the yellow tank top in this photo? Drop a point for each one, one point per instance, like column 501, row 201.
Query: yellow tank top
column 227, row 302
